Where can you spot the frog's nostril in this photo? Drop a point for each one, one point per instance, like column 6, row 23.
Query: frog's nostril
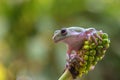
column 57, row 31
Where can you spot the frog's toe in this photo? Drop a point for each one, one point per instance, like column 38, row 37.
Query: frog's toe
column 94, row 39
column 97, row 36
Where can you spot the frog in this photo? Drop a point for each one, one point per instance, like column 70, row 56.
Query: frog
column 74, row 37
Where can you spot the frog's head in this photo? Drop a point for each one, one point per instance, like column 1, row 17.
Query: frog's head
column 67, row 34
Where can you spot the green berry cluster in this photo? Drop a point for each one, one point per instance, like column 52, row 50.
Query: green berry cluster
column 93, row 52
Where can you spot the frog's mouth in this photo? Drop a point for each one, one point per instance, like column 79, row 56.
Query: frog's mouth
column 58, row 39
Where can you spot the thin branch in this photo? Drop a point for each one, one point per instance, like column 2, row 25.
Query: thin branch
column 66, row 75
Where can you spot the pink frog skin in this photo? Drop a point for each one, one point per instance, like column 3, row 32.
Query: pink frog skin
column 73, row 37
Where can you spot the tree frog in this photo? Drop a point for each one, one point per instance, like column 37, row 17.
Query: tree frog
column 73, row 37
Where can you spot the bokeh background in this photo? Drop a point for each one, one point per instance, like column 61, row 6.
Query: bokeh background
column 27, row 51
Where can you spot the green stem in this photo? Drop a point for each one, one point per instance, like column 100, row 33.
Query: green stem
column 66, row 75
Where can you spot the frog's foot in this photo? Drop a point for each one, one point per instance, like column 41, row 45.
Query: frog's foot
column 94, row 37
column 68, row 56
column 97, row 36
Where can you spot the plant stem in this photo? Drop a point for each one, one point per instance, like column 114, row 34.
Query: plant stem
column 66, row 75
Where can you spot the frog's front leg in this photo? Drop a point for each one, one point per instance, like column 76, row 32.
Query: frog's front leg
column 68, row 58
column 68, row 53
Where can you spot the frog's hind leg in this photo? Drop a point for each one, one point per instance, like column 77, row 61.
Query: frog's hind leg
column 97, row 36
column 94, row 39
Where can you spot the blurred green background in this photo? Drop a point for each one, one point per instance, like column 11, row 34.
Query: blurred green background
column 27, row 51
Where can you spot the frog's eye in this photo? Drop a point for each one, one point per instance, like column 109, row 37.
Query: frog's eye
column 63, row 32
